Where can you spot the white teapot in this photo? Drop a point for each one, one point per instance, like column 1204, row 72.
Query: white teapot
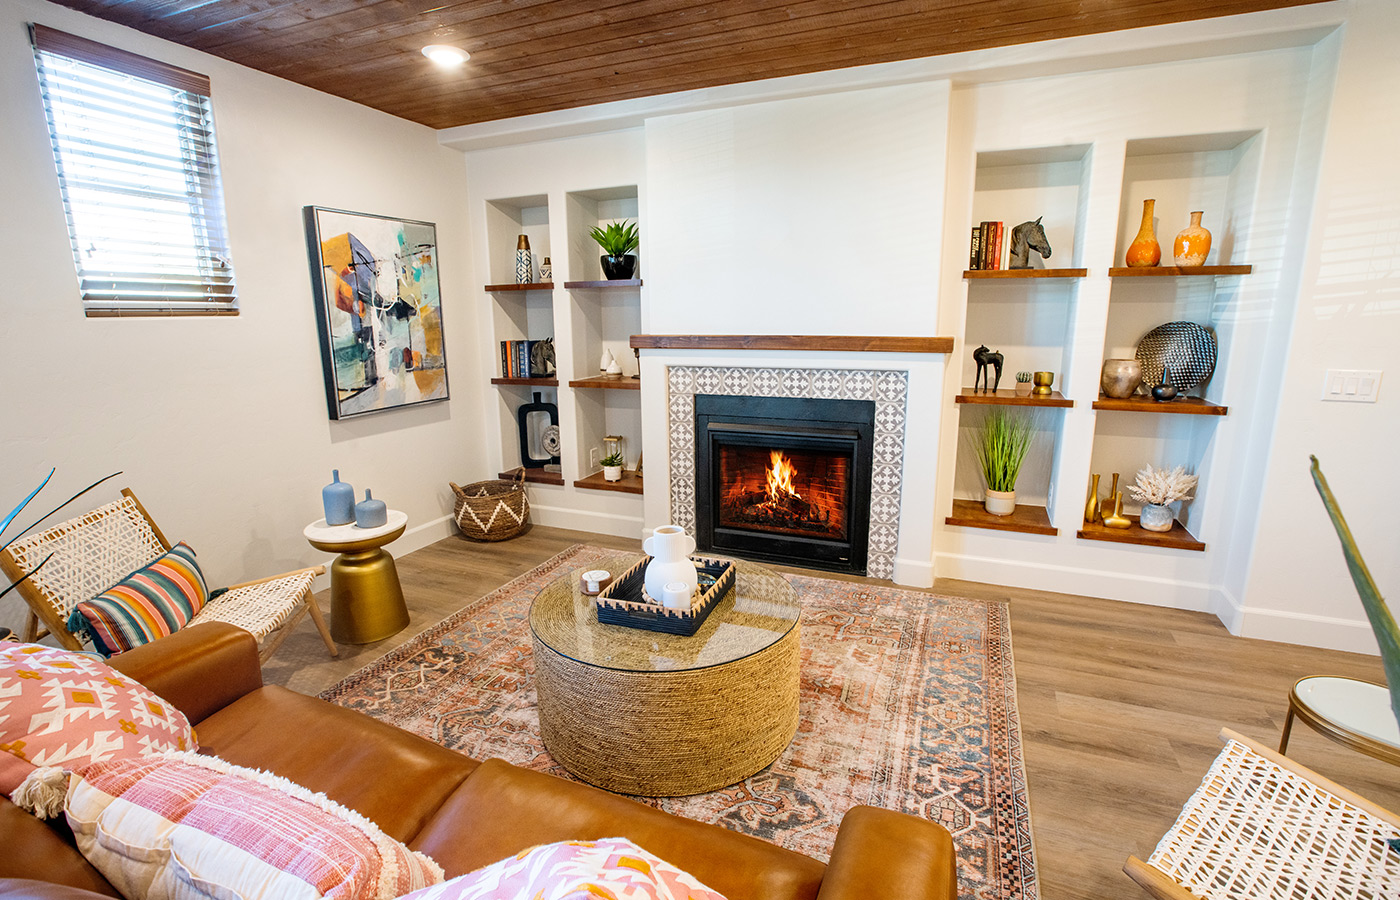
column 669, row 548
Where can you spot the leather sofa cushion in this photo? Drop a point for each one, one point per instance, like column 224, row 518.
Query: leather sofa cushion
column 26, row 889
column 519, row 808
column 35, row 849
column 393, row 778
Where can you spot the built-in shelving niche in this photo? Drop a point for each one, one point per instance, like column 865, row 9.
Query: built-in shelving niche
column 602, row 317
column 1216, row 173
column 1029, row 320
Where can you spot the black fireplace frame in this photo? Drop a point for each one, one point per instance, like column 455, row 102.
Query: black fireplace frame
column 807, row 423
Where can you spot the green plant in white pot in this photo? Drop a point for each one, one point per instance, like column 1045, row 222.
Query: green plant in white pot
column 1001, row 448
column 612, row 467
column 618, row 240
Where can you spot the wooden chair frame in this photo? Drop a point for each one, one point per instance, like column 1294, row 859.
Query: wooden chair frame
column 1162, row 886
column 51, row 611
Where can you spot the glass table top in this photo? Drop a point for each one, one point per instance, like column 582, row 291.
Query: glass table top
column 758, row 612
column 1358, row 706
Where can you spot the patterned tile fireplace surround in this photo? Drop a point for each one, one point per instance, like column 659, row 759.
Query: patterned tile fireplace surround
column 888, row 389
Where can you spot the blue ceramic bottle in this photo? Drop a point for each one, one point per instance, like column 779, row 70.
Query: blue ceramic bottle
column 370, row 513
column 339, row 500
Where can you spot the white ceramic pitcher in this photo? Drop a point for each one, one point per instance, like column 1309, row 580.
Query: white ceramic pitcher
column 669, row 548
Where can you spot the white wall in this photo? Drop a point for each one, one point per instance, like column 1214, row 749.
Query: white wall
column 220, row 424
column 1348, row 316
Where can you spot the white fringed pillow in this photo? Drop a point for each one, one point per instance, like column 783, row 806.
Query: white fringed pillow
column 183, row 826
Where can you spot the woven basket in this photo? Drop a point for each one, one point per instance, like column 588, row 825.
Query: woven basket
column 492, row 510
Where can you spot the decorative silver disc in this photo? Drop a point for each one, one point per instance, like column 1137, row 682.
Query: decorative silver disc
column 549, row 440
column 1187, row 350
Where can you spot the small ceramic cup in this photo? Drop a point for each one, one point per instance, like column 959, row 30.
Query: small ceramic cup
column 676, row 595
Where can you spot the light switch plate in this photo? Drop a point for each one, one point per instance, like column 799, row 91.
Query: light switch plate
column 1352, row 385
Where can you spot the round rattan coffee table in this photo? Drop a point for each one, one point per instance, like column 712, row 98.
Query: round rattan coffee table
column 659, row 715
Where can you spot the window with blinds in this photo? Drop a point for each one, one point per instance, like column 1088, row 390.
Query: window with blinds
column 133, row 139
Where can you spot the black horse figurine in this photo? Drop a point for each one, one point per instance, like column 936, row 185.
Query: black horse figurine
column 985, row 358
column 1026, row 237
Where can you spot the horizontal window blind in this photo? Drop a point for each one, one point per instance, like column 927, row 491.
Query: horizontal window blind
column 133, row 140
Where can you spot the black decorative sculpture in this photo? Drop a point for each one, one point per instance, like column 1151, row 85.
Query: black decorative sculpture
column 985, row 358
column 534, row 419
column 542, row 358
column 1026, row 237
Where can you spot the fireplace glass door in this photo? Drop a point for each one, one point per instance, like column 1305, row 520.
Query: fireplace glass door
column 784, row 490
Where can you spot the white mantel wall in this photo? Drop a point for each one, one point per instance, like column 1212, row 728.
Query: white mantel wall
column 220, row 424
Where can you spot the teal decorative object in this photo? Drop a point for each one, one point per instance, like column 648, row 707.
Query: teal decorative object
column 1382, row 619
column 370, row 513
column 339, row 500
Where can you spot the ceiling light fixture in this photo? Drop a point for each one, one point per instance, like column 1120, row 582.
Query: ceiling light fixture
column 446, row 55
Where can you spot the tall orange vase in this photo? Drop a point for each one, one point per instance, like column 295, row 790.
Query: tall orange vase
column 1144, row 251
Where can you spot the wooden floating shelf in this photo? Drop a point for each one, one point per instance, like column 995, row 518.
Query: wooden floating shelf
column 1175, row 271
column 533, row 286
column 609, row 382
column 1181, row 406
column 1026, row 519
column 615, row 283
column 538, row 382
column 839, row 342
column 1006, row 397
column 1025, row 273
column 1176, row 539
column 631, row 483
column 534, row 476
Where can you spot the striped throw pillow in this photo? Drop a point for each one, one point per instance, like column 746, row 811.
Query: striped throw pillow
column 150, row 603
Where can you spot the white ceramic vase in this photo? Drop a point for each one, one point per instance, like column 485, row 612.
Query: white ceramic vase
column 1156, row 517
column 669, row 548
column 1000, row 503
column 612, row 473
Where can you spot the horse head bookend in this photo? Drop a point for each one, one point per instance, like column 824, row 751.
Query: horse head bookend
column 1026, row 237
column 986, row 358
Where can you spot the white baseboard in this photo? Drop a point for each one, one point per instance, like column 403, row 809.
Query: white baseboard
column 1331, row 632
column 1077, row 580
column 583, row 520
column 913, row 572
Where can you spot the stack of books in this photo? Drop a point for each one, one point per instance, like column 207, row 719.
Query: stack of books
column 988, row 239
column 515, row 360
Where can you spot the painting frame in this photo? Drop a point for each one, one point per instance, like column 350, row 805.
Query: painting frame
column 376, row 282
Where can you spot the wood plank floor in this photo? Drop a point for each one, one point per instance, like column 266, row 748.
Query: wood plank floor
column 1120, row 703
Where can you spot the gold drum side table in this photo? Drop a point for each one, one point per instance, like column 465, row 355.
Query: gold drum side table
column 661, row 715
column 367, row 602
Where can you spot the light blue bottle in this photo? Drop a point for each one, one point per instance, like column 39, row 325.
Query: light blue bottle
column 370, row 513
column 339, row 500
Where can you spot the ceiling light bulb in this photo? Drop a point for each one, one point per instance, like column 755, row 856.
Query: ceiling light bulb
column 446, row 55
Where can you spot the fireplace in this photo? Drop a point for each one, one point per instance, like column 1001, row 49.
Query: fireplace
column 784, row 479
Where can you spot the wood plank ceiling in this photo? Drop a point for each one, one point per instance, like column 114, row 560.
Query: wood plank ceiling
column 532, row 56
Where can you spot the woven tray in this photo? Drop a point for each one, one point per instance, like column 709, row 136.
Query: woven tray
column 623, row 602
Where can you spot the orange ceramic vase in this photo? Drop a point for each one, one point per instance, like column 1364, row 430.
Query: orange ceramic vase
column 1192, row 245
column 1144, row 250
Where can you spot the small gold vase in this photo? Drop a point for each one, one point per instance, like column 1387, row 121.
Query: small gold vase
column 1117, row 519
column 1043, row 380
column 1091, row 506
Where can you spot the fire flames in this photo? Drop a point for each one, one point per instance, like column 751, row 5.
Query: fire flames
column 780, row 477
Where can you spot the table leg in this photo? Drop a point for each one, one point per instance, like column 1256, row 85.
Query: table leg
column 1287, row 729
column 367, row 602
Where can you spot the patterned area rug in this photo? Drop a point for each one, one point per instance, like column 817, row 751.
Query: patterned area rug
column 908, row 703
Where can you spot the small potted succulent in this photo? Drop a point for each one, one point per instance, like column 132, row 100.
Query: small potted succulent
column 1023, row 384
column 612, row 467
column 618, row 240
column 1155, row 489
column 1001, row 448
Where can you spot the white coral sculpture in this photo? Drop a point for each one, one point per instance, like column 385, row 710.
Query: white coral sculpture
column 1160, row 487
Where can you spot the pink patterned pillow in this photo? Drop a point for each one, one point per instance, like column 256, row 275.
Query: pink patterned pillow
column 181, row 825
column 613, row 868
column 69, row 710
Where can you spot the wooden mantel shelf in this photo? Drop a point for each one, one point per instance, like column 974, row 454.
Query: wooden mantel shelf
column 838, row 342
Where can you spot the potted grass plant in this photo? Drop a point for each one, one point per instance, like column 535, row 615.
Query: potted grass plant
column 1001, row 448
column 618, row 241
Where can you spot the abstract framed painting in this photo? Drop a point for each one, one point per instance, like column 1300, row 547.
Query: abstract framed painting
column 379, row 310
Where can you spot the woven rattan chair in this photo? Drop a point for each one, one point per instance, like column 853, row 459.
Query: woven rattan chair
column 1263, row 827
column 96, row 550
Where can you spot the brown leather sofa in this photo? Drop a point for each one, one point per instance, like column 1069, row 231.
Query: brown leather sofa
column 461, row 812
